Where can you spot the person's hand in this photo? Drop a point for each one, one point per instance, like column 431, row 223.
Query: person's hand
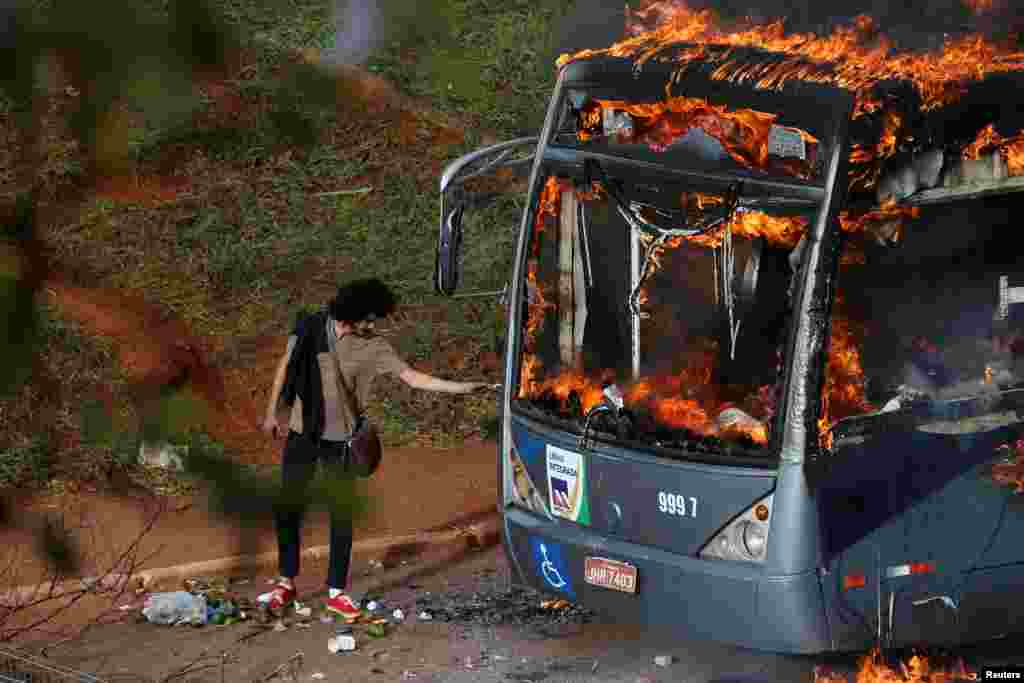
column 478, row 387
column 270, row 426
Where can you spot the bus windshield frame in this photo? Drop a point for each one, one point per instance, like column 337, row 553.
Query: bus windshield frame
column 571, row 161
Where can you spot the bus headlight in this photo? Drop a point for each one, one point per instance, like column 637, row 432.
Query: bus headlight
column 755, row 539
column 745, row 538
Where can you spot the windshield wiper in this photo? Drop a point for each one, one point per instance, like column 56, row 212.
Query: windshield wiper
column 630, row 212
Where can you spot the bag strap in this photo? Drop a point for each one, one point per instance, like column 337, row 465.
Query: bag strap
column 349, row 396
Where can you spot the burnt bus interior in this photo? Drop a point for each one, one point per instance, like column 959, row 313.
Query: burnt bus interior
column 690, row 329
column 916, row 312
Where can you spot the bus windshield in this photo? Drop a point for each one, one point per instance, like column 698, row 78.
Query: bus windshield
column 674, row 300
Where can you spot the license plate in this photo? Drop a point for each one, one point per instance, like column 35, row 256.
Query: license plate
column 612, row 574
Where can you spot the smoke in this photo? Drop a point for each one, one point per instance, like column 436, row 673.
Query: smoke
column 357, row 31
column 362, row 26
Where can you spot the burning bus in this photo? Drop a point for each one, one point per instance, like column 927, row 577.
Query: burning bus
column 764, row 368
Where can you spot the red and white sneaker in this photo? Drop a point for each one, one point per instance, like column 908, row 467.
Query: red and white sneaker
column 281, row 596
column 343, row 607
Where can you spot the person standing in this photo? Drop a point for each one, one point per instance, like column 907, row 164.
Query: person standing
column 340, row 338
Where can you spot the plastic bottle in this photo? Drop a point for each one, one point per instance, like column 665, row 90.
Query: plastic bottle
column 175, row 608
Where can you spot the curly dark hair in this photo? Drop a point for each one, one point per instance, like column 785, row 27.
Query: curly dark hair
column 359, row 299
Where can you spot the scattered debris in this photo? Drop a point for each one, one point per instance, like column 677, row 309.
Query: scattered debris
column 338, row 644
column 318, row 676
column 375, row 670
column 264, row 598
column 514, row 606
column 303, row 624
column 408, row 675
column 554, row 604
column 337, row 193
column 178, row 607
column 593, row 669
column 376, row 630
column 279, row 626
column 326, row 619
column 373, row 605
column 293, row 664
column 304, row 612
column 399, row 615
column 376, row 564
column 425, row 616
column 664, row 660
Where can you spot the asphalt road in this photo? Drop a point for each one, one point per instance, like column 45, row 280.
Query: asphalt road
column 543, row 649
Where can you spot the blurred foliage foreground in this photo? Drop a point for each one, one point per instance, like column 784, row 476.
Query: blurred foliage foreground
column 147, row 56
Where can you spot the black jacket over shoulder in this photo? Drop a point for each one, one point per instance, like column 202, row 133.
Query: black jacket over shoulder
column 303, row 375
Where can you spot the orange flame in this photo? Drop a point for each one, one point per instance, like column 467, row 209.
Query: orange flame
column 856, row 57
column 1012, row 148
column 1011, row 472
column 886, row 221
column 843, row 391
column 917, row 669
column 743, row 132
column 589, row 389
column 979, row 7
column 548, row 206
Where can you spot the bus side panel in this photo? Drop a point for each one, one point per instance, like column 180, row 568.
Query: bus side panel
column 917, row 499
column 991, row 604
column 797, row 602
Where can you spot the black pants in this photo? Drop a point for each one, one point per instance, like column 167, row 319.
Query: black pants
column 297, row 471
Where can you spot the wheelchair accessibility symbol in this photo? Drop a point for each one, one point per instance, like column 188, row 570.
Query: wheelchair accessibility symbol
column 551, row 566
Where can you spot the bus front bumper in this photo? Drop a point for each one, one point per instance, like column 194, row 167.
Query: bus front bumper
column 729, row 602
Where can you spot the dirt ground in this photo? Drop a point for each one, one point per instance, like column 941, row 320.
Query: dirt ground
column 415, row 650
column 437, row 651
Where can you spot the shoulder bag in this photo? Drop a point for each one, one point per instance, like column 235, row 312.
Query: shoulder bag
column 364, row 447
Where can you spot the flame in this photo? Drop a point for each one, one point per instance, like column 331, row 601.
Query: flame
column 843, row 390
column 872, row 668
column 1011, row 472
column 885, row 223
column 527, row 373
column 682, row 412
column 589, row 389
column 742, row 132
column 547, row 207
column 979, row 7
column 855, row 57
column 1011, row 148
column 866, row 162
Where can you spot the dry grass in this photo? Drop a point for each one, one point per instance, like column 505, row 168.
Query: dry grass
column 219, row 223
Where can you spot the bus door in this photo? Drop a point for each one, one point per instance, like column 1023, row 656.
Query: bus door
column 924, row 391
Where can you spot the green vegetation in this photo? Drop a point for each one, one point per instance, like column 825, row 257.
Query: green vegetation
column 71, row 365
column 231, row 217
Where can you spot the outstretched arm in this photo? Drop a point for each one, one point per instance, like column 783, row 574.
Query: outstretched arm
column 421, row 380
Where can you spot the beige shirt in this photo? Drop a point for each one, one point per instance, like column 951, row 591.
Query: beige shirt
column 361, row 360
